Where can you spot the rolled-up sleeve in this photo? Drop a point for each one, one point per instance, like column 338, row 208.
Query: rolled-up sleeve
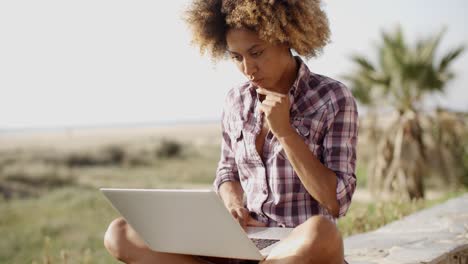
column 227, row 167
column 340, row 146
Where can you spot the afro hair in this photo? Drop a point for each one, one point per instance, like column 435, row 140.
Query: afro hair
column 302, row 25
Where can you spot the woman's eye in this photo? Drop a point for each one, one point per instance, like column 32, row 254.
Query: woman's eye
column 236, row 58
column 256, row 53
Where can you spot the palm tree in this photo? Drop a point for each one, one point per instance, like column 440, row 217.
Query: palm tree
column 401, row 78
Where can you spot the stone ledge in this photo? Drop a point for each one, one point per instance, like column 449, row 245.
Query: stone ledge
column 435, row 235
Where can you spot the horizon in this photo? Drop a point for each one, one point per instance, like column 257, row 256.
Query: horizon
column 129, row 125
column 153, row 124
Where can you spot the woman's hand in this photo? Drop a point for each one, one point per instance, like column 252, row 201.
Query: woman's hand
column 242, row 215
column 276, row 106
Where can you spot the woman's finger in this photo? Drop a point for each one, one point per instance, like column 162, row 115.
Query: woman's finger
column 243, row 216
column 272, row 97
column 265, row 109
column 234, row 213
column 269, row 103
column 271, row 93
column 253, row 222
column 243, row 213
column 236, row 216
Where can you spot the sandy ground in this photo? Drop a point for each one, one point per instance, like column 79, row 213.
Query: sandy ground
column 208, row 133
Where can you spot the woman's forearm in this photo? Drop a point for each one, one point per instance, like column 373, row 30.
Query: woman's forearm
column 318, row 180
column 232, row 194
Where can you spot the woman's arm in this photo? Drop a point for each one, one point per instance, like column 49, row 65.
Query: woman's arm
column 318, row 180
column 332, row 184
column 227, row 182
column 232, row 194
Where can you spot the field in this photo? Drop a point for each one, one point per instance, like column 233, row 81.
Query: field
column 52, row 212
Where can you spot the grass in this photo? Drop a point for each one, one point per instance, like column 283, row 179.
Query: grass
column 56, row 214
column 365, row 217
column 361, row 174
column 65, row 224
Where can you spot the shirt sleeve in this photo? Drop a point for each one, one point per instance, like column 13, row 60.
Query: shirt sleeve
column 340, row 146
column 227, row 167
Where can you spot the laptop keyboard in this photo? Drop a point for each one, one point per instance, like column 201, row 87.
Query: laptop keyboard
column 263, row 243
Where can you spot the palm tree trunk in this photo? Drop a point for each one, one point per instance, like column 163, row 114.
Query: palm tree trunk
column 398, row 167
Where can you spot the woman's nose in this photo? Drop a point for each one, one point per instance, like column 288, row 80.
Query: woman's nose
column 249, row 68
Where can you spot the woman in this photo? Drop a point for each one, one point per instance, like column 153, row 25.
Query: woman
column 288, row 135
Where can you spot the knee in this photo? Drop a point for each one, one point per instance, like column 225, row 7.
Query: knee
column 323, row 237
column 115, row 237
column 322, row 228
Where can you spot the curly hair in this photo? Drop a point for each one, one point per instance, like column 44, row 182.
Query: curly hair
column 302, row 25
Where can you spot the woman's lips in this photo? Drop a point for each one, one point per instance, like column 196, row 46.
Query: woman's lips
column 257, row 82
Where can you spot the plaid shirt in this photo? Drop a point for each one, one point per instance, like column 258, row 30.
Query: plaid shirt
column 324, row 113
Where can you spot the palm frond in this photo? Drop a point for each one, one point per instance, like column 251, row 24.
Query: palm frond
column 449, row 57
column 403, row 74
column 363, row 62
column 426, row 52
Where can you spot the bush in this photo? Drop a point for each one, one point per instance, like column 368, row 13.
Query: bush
column 169, row 149
column 138, row 158
column 114, row 154
column 31, row 180
column 109, row 155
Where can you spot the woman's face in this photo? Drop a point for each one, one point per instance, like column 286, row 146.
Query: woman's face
column 263, row 63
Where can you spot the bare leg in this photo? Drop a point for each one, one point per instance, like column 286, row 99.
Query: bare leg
column 124, row 244
column 315, row 241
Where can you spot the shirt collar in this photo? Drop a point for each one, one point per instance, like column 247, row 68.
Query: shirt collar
column 302, row 75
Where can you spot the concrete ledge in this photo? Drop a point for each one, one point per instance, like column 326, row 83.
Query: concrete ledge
column 434, row 236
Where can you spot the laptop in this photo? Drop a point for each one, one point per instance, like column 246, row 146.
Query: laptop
column 193, row 222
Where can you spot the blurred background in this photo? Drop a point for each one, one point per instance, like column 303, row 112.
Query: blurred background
column 111, row 94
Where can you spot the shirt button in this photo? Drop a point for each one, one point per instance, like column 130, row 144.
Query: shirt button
column 282, row 225
column 265, row 191
column 304, row 131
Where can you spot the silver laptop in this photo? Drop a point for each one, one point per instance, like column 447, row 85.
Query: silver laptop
column 191, row 222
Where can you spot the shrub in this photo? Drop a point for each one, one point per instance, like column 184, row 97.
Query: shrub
column 169, row 149
column 114, row 154
column 109, row 155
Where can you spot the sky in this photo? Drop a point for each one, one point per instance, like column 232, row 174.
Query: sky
column 103, row 62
